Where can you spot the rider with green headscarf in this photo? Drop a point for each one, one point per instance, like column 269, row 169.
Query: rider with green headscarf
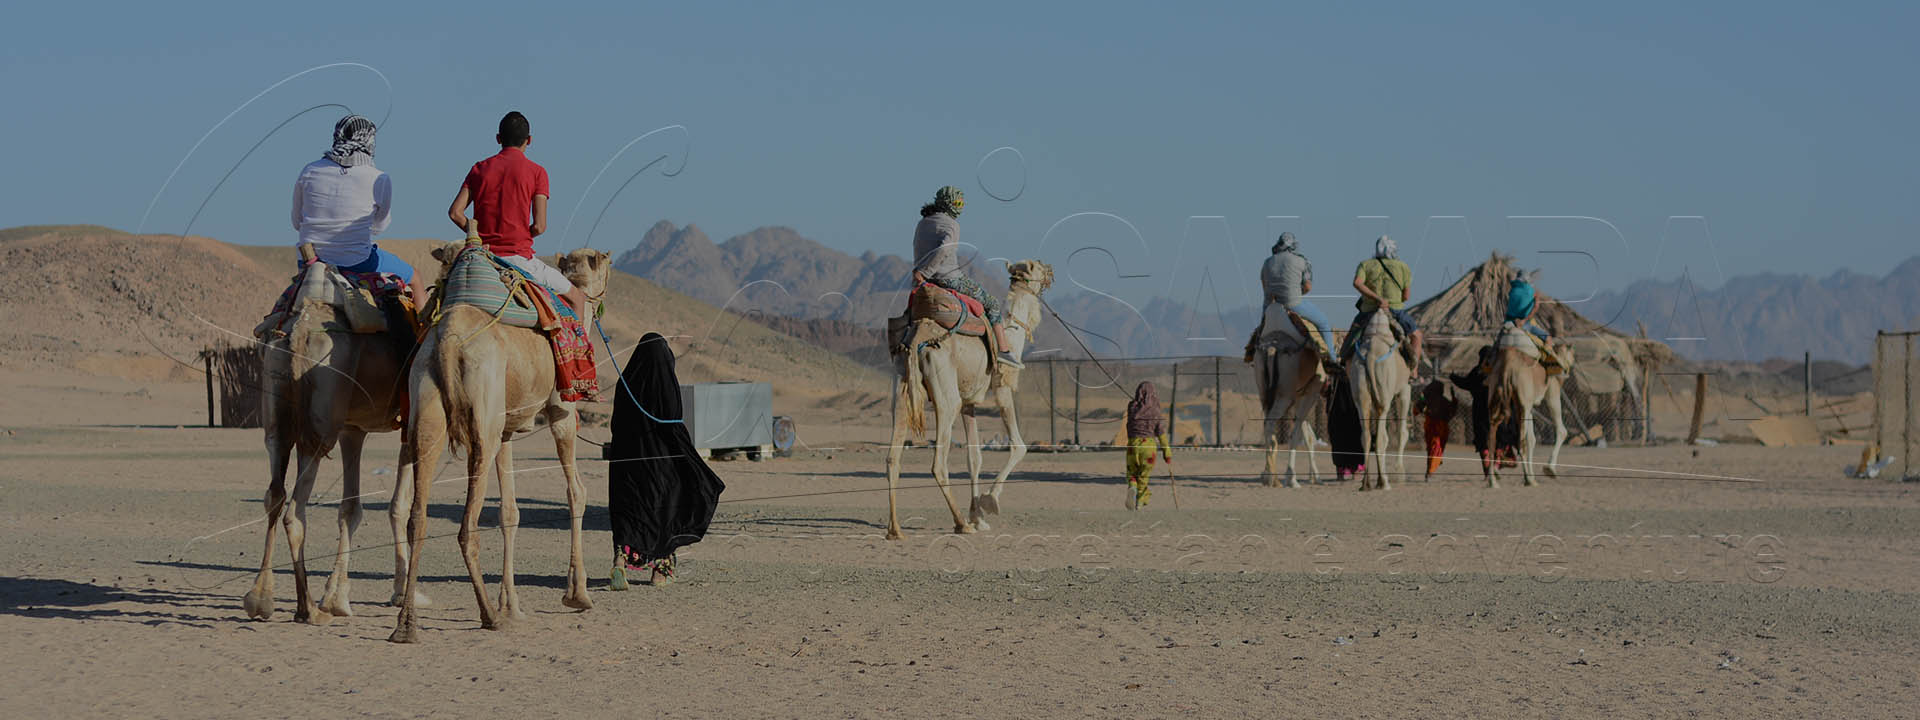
column 936, row 253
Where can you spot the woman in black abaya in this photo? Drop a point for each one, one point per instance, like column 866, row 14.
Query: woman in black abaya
column 660, row 494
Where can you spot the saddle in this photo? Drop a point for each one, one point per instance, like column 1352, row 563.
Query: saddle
column 363, row 303
column 1359, row 327
column 950, row 309
column 1513, row 336
column 481, row 280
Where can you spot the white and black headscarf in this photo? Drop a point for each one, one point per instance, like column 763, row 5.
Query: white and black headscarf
column 352, row 141
column 1385, row 249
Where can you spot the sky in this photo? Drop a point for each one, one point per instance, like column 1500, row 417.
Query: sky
column 1602, row 144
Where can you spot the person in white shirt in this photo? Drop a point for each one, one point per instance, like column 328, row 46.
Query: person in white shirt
column 341, row 201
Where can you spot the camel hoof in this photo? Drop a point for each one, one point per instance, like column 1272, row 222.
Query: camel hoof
column 980, row 524
column 314, row 617
column 399, row 598
column 895, row 534
column 577, row 601
column 988, row 504
column 259, row 604
column 498, row 623
column 963, row 529
column 404, row 634
column 336, row 607
column 1552, row 473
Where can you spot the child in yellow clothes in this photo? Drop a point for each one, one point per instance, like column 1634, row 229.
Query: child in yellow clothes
column 1146, row 435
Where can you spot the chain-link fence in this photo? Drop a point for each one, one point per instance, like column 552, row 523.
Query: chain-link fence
column 1215, row 401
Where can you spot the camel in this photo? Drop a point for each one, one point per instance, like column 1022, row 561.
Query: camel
column 958, row 373
column 324, row 385
column 1379, row 374
column 1284, row 369
column 475, row 383
column 1517, row 383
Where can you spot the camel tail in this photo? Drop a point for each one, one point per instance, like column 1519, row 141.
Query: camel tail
column 302, row 365
column 450, row 377
column 915, row 392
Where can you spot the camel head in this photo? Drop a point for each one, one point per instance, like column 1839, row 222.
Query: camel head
column 588, row 269
column 446, row 253
column 1034, row 272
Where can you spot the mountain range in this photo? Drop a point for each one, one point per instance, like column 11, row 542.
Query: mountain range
column 777, row 272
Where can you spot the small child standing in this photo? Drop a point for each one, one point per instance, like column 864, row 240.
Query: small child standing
column 1438, row 406
column 1146, row 433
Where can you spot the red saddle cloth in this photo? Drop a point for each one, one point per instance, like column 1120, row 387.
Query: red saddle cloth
column 951, row 309
column 573, row 372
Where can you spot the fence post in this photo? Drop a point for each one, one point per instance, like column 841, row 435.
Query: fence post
column 1173, row 404
column 1806, row 393
column 207, row 357
column 1646, row 406
column 1699, row 406
column 1076, row 404
column 1053, row 431
column 1219, row 432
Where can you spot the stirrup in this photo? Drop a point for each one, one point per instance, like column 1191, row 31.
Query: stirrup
column 1007, row 359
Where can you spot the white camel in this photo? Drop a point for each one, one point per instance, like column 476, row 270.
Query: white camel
column 1379, row 374
column 1517, row 383
column 958, row 373
column 475, row 383
column 324, row 385
column 1284, row 365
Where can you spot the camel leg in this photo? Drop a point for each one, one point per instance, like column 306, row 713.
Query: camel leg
column 565, row 424
column 1383, row 427
column 481, row 456
column 509, row 526
column 427, row 434
column 1559, row 429
column 1402, row 402
column 945, row 411
column 337, row 599
column 296, row 523
column 1527, row 445
column 1488, row 456
column 259, row 601
column 1310, row 441
column 1004, row 396
column 894, row 448
column 974, row 513
column 399, row 508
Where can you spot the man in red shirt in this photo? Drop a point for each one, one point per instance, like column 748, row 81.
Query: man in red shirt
column 509, row 197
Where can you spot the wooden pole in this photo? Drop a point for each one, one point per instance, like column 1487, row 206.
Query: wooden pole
column 1219, row 436
column 1699, row 407
column 1053, row 430
column 207, row 357
column 1173, row 413
column 1076, row 404
column 1646, row 406
column 1806, row 392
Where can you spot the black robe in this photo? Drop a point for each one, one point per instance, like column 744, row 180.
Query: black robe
column 660, row 494
column 1475, row 383
column 1344, row 427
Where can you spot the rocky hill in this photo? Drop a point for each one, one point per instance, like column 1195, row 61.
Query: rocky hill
column 1756, row 317
column 110, row 302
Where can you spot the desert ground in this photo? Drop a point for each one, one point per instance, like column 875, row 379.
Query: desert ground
column 1740, row 581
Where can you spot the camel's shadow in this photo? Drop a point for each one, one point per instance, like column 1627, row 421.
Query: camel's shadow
column 67, row 599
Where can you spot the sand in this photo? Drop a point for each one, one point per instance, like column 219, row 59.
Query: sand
column 1640, row 582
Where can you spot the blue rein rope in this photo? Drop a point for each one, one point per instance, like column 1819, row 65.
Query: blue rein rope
column 622, row 375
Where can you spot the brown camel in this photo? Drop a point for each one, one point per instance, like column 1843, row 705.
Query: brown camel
column 958, row 373
column 325, row 385
column 1517, row 383
column 1284, row 367
column 475, row 383
column 1379, row 375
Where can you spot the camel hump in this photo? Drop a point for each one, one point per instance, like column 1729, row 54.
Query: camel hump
column 479, row 279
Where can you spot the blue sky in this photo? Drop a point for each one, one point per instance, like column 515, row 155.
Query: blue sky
column 1785, row 131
